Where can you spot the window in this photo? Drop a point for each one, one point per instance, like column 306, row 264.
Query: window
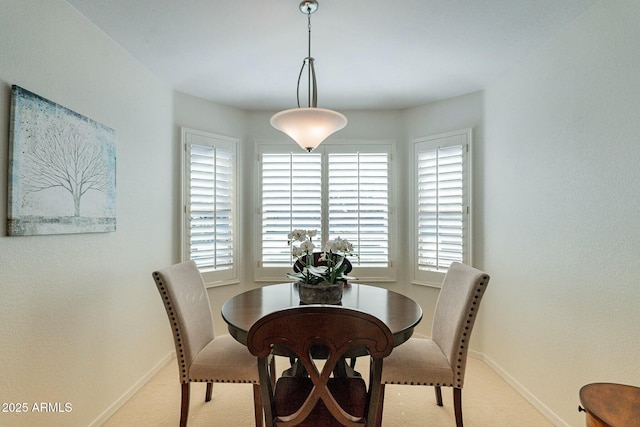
column 359, row 204
column 291, row 198
column 339, row 190
column 442, row 209
column 209, row 198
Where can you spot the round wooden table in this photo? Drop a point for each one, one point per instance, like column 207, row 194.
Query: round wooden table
column 611, row 405
column 400, row 313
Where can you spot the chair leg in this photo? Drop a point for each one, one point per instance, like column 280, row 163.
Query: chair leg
column 184, row 405
column 207, row 397
column 438, row 395
column 257, row 405
column 378, row 422
column 272, row 371
column 457, row 405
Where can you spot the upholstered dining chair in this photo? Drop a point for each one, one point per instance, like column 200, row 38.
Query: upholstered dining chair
column 317, row 399
column 441, row 360
column 202, row 356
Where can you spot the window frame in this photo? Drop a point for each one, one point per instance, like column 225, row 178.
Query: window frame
column 202, row 138
column 460, row 137
column 364, row 274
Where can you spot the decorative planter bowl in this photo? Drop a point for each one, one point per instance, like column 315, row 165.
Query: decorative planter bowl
column 322, row 293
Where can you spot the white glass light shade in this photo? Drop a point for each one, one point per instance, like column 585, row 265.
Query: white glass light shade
column 308, row 127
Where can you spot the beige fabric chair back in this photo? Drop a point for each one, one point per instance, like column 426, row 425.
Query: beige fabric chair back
column 455, row 315
column 187, row 303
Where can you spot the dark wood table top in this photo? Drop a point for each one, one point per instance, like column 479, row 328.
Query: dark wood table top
column 611, row 404
column 400, row 313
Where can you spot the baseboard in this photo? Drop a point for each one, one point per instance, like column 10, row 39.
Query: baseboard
column 534, row 401
column 526, row 394
column 475, row 355
column 102, row 418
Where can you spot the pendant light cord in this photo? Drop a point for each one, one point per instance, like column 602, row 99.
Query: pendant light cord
column 313, row 102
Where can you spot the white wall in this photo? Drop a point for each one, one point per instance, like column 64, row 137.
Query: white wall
column 561, row 228
column 80, row 318
column 453, row 114
column 196, row 113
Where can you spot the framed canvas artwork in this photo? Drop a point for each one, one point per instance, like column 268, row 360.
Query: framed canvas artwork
column 62, row 169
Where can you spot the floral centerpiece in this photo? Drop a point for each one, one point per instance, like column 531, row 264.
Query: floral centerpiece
column 327, row 276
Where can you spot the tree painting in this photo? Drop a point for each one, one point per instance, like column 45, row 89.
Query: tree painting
column 62, row 169
column 64, row 158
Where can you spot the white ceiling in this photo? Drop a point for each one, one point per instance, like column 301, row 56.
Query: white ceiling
column 375, row 54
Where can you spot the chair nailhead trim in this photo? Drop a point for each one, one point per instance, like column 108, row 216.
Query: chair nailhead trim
column 462, row 350
column 182, row 363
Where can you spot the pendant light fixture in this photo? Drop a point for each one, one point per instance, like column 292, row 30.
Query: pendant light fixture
column 308, row 127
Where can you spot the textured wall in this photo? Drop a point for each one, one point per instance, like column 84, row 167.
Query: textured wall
column 562, row 234
column 80, row 318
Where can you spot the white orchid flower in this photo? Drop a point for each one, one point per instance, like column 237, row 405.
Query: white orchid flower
column 307, row 246
column 330, row 246
column 297, row 235
column 297, row 252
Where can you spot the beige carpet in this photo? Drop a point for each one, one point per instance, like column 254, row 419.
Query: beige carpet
column 487, row 401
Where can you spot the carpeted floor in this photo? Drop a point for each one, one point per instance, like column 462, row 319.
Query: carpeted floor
column 487, row 401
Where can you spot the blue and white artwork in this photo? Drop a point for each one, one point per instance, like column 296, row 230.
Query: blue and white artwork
column 62, row 170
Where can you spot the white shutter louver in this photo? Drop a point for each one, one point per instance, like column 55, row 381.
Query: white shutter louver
column 210, row 207
column 359, row 204
column 340, row 190
column 440, row 203
column 291, row 198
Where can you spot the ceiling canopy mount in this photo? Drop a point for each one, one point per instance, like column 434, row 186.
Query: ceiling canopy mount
column 308, row 6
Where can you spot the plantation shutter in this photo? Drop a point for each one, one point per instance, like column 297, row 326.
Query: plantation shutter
column 442, row 199
column 291, row 199
column 210, row 208
column 359, row 204
column 209, row 197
